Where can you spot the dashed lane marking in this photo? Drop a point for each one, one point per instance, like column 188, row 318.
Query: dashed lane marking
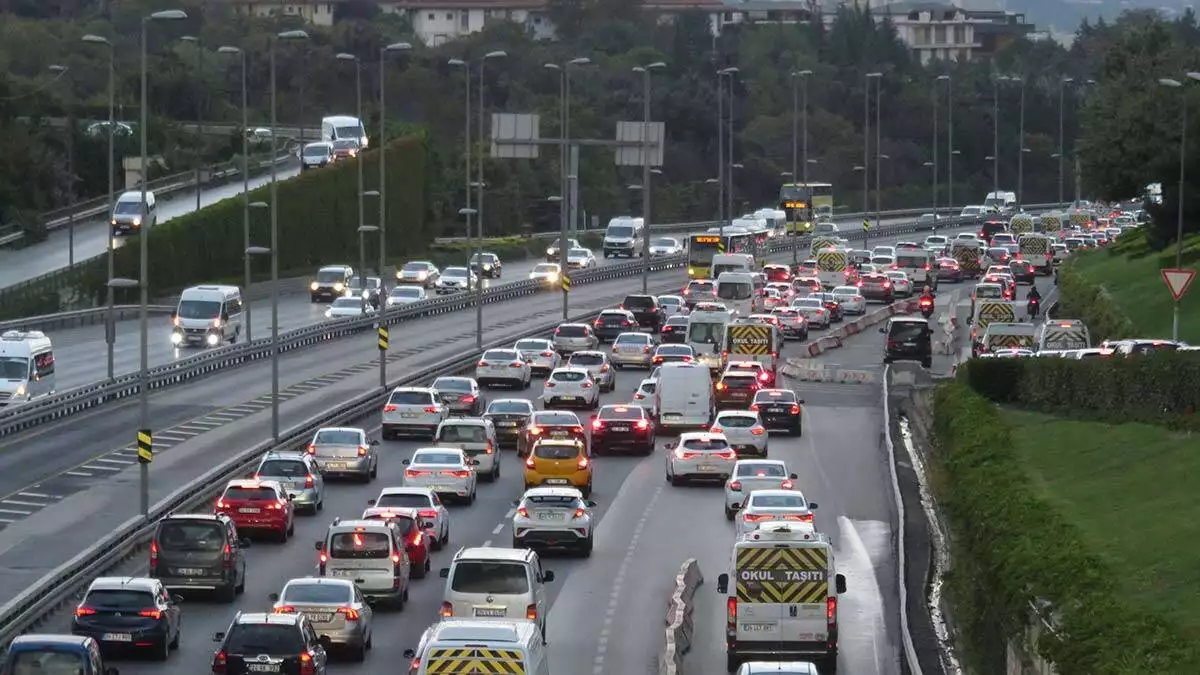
column 38, row 495
column 14, row 502
column 487, row 544
column 83, row 474
column 16, row 512
column 498, row 529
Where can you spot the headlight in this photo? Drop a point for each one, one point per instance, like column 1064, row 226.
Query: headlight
column 487, row 267
column 212, row 339
column 312, row 286
column 329, row 314
column 20, row 392
column 176, row 338
column 137, row 221
column 422, row 275
column 366, row 293
column 114, row 221
column 217, row 323
column 339, row 286
column 549, row 251
column 553, row 276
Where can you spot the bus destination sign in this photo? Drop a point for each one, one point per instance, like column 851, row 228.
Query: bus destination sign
column 796, row 205
column 707, row 239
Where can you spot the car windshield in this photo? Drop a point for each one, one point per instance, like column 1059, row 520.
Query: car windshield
column 347, row 303
column 436, row 458
column 648, row 386
column 711, row 444
column 346, row 144
column 462, row 433
column 907, row 331
column 620, row 230
column 360, row 545
column 47, row 661
column 316, row 151
column 621, row 412
column 411, row 398
column 405, row 500
column 845, row 291
column 632, row 339
column 485, row 258
column 807, row 303
column 700, row 287
column 286, row 468
column 578, row 253
column 739, row 381
column 356, row 282
column 571, row 331
column 764, row 470
column 499, row 578
column 119, row 598
column 350, row 131
column 638, row 302
column 510, row 407
column 556, row 450
column 546, row 268
column 988, row 291
column 778, row 501
column 127, row 208
column 329, row 276
column 415, row 267
column 673, row 350
column 455, row 272
column 568, row 376
column 456, row 384
column 501, row 355
column 585, row 360
column 263, row 638
column 533, row 345
column 250, row 494
column 561, row 501
column 337, row 437
column 556, row 419
column 199, row 309
column 403, row 524
column 303, row 594
column 677, row 321
column 734, row 290
column 613, row 317
column 193, row 536
column 737, row 421
column 664, row 243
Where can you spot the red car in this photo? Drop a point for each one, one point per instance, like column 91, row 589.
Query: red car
column 777, row 272
column 259, row 505
column 416, row 535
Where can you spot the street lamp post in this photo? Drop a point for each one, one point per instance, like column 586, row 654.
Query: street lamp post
column 801, row 76
column 564, row 125
column 144, row 262
column 362, row 246
column 933, row 186
column 725, row 176
column 1020, row 143
column 1062, row 86
column 646, row 190
column 109, row 327
column 245, row 182
column 934, row 162
column 1195, row 76
column 466, row 211
column 878, row 150
column 995, row 136
column 498, row 54
column 949, row 141
column 262, row 250
column 362, row 231
column 59, row 72
column 395, row 47
column 195, row 39
column 867, row 140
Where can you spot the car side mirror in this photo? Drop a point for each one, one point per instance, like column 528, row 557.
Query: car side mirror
column 291, row 497
column 370, row 502
column 547, row 576
column 320, row 546
column 274, row 597
column 722, row 583
column 801, row 401
column 475, row 462
column 515, row 503
column 244, row 543
column 812, row 506
column 840, row 583
column 176, row 599
column 219, row 637
column 793, row 476
column 883, row 330
column 409, row 654
column 406, row 462
column 444, row 573
column 590, row 504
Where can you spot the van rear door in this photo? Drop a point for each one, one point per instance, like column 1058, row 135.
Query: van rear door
column 465, row 659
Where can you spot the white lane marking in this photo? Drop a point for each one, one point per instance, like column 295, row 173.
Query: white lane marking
column 7, row 520
column 614, row 597
column 79, row 473
column 860, row 611
column 510, row 514
column 173, row 438
column 498, row 529
column 487, row 544
column 113, row 461
column 37, row 495
column 14, row 502
column 17, row 512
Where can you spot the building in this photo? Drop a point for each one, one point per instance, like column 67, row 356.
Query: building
column 939, row 31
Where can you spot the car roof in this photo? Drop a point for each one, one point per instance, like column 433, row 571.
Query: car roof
column 737, row 413
column 428, row 492
column 750, row 462
column 123, row 583
column 700, row 436
column 570, row 369
column 406, row 511
column 34, row 640
column 778, row 493
column 623, row 406
column 464, row 421
column 438, row 449
column 355, row 429
column 525, row 401
column 553, row 492
column 264, row 618
column 489, row 553
column 253, row 483
column 910, row 319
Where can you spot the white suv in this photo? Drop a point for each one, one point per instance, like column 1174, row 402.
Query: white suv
column 413, row 411
column 596, row 363
column 574, row 337
column 572, row 387
column 369, row 552
column 503, row 367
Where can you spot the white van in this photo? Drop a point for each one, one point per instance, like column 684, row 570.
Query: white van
column 683, row 396
column 736, row 291
column 343, row 127
column 126, row 216
column 625, row 236
column 1003, row 202
column 372, row 553
column 471, row 646
column 207, row 315
column 731, row 262
column 26, row 367
column 496, row 583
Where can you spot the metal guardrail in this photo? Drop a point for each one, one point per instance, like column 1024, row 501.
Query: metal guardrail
column 81, row 317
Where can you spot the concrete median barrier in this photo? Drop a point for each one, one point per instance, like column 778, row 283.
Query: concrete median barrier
column 680, row 618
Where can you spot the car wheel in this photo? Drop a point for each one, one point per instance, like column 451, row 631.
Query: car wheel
column 729, row 513
column 163, row 652
column 586, row 550
column 496, row 471
column 228, row 594
column 178, row 637
column 359, row 653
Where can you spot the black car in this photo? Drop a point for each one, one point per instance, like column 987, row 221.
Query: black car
column 674, row 331
column 486, row 265
column 909, row 338
column 1023, row 271
column 624, row 427
column 836, row 313
column 200, row 552
column 285, row 643
column 779, row 409
column 124, row 613
column 699, row 290
column 877, row 287
column 992, row 227
column 612, row 322
column 645, row 311
column 509, row 416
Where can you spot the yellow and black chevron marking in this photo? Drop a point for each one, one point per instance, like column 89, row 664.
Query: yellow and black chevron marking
column 750, row 339
column 792, row 576
column 1010, row 341
column 1051, row 223
column 831, row 261
column 866, row 225
column 383, row 338
column 1064, row 339
column 999, row 312
column 1020, row 224
column 721, row 246
column 145, row 446
column 566, row 283
column 475, row 661
column 824, row 242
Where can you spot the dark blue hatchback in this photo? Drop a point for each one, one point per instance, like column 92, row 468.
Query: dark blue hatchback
column 48, row 653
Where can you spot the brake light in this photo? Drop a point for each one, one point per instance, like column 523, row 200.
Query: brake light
column 795, row 409
column 483, row 364
column 535, row 430
column 604, row 368
column 642, row 425
column 731, row 610
column 427, row 513
column 221, row 504
column 431, row 409
column 467, row 399
column 549, row 384
column 764, row 376
column 754, row 517
column 413, row 473
column 153, row 553
column 350, row 613
column 787, row 485
column 720, row 386
column 887, row 284
column 858, row 283
column 716, row 430
column 831, row 609
column 736, row 486
column 586, row 385
column 579, row 513
column 312, row 449
column 928, row 267
column 84, row 611
column 417, row 537
column 547, row 353
column 597, row 425
column 531, row 613
column 309, row 481
column 516, row 364
column 529, row 462
column 583, row 463
column 757, row 431
column 286, row 609
column 753, row 407
column 556, row 331
column 726, row 454
column 218, row 664
column 306, row 664
column 446, row 610
column 597, row 323
column 362, row 451
column 396, row 558
column 684, row 454
column 522, row 511
column 227, row 556
column 457, row 474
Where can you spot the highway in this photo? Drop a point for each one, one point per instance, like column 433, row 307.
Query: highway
column 91, row 236
column 60, row 480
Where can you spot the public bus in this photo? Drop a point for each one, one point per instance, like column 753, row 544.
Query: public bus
column 804, row 203
column 702, row 248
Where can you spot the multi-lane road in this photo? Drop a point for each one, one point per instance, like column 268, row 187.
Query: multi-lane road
column 607, row 612
column 91, row 235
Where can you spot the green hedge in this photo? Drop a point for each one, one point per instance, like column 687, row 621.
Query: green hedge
column 1155, row 388
column 1012, row 549
column 1081, row 299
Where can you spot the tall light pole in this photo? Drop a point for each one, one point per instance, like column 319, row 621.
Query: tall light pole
column 934, row 162
column 801, row 77
column 59, row 72
column 498, row 54
column 237, row 51
column 933, row 187
column 564, row 125
column 195, row 39
column 995, row 135
column 144, row 264
column 288, row 35
column 466, row 211
column 949, row 141
column 1062, row 87
column 109, row 327
column 393, row 48
column 878, row 149
column 1020, row 142
column 646, row 193
column 867, row 140
column 729, row 151
column 364, row 230
column 358, row 162
column 1195, row 76
column 725, row 176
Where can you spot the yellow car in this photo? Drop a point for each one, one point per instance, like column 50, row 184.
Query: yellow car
column 559, row 462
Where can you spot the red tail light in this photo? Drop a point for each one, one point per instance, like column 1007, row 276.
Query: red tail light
column 795, row 409
column 531, row 613
column 427, row 513
column 457, row 474
column 483, row 364
column 720, row 386
column 586, row 385
column 529, row 461
column 467, row 399
column 549, row 384
column 547, row 353
column 227, row 556
column 604, row 368
column 726, row 454
column 831, row 610
column 579, row 513
column 431, row 409
column 312, row 449
column 757, row 431
column 684, row 454
column 151, row 614
column 417, row 536
column 396, row 559
column 597, row 323
column 928, row 267
column 597, row 425
column 413, row 473
column 716, row 430
column 787, row 485
column 522, row 511
column 350, row 613
column 516, row 364
column 887, row 284
column 753, row 407
column 84, row 611
column 764, row 376
column 556, row 330
column 307, row 667
column 285, row 609
column 221, row 504
column 736, row 486
column 309, row 481
column 583, row 463
column 153, row 553
column 446, row 610
column 642, row 425
column 731, row 610
column 218, row 664
column 389, row 408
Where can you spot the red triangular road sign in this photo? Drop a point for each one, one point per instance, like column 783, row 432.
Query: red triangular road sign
column 1178, row 281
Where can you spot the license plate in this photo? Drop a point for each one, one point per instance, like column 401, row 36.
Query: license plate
column 409, row 415
column 777, row 410
column 707, row 467
column 757, row 627
column 620, row 428
column 910, row 344
column 335, row 465
column 246, row 509
column 567, row 398
column 672, row 415
column 190, row 571
column 556, row 481
column 345, row 573
column 262, row 667
column 508, row 424
column 550, row 516
column 117, row 637
column 323, row 617
column 489, row 611
column 558, row 434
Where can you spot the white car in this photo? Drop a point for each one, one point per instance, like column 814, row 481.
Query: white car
column 446, row 471
column 596, row 363
column 665, row 246
column 548, row 273
column 503, row 367
column 783, row 287
column 540, row 353
column 672, row 305
column 349, row 307
column 814, row 311
column 554, row 249
column 901, row 284
column 476, row 437
column 580, row 259
column 851, row 299
column 699, row 456
column 632, row 349
column 644, row 396
column 454, row 280
column 968, row 236
column 411, row 411
column 763, row 505
column 574, row 337
column 883, row 262
column 434, row 516
column 570, row 387
column 553, row 517
column 744, row 431
column 406, row 295
column 791, row 322
column 771, row 298
column 755, row 474
column 888, row 251
column 420, row 272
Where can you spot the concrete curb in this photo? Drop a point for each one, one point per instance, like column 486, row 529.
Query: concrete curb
column 807, row 370
column 680, row 621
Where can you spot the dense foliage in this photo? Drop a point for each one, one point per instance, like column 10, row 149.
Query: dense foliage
column 1014, row 555
column 423, row 90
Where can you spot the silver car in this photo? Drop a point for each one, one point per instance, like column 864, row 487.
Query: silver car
column 299, row 474
column 597, row 364
column 476, row 437
column 672, row 305
column 553, row 517
column 405, row 295
column 446, row 471
column 574, row 337
column 345, row 451
column 813, row 310
column 455, row 280
column 744, row 431
column 771, row 504
column 336, row 609
column 632, row 349
column 460, row 394
column 755, row 474
column 665, row 246
column 541, row 354
column 420, row 272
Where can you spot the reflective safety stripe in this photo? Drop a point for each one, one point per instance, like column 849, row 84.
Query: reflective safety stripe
column 475, row 661
column 1064, row 339
column 832, row 261
column 792, row 575
column 1000, row 312
column 1010, row 341
column 1051, row 222
column 1020, row 224
column 750, row 340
